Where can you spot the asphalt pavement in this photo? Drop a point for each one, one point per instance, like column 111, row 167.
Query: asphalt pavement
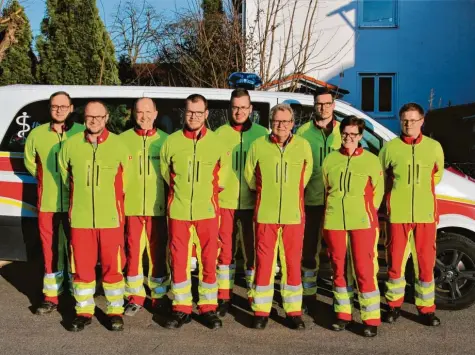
column 22, row 332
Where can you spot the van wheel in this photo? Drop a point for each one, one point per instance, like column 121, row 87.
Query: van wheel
column 454, row 271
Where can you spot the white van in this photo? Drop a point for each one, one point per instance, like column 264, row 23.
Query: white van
column 24, row 107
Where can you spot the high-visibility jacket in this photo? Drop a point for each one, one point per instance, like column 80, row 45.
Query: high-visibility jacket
column 412, row 168
column 190, row 165
column 94, row 175
column 146, row 191
column 355, row 186
column 237, row 139
column 279, row 176
column 322, row 145
column 41, row 160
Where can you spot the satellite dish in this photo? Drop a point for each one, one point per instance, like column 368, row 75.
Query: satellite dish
column 249, row 81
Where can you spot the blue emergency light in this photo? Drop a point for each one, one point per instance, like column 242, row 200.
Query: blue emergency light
column 249, row 81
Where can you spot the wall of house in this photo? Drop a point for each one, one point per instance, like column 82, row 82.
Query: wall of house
column 431, row 49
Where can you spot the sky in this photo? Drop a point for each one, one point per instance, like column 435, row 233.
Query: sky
column 35, row 9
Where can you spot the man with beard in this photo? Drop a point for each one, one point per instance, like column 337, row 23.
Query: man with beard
column 190, row 163
column 323, row 134
column 92, row 166
column 236, row 201
column 41, row 160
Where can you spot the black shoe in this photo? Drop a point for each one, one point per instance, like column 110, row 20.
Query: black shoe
column 46, row 308
column 392, row 315
column 162, row 306
column 223, row 307
column 177, row 319
column 295, row 322
column 132, row 309
column 211, row 320
column 370, row 331
column 260, row 322
column 430, row 319
column 79, row 323
column 309, row 304
column 340, row 325
column 116, row 323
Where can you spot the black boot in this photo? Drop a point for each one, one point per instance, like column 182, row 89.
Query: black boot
column 132, row 309
column 211, row 320
column 392, row 315
column 309, row 304
column 260, row 322
column 223, row 307
column 46, row 308
column 340, row 325
column 116, row 323
column 162, row 306
column 370, row 331
column 295, row 322
column 79, row 323
column 177, row 319
column 430, row 319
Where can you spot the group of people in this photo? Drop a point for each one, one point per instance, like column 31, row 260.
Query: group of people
column 275, row 194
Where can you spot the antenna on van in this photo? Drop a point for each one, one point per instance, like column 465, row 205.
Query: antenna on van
column 249, row 81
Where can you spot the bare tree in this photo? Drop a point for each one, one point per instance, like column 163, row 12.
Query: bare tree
column 9, row 25
column 279, row 46
column 137, row 28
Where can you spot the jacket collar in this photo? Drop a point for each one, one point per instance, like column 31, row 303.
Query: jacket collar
column 101, row 139
column 145, row 132
column 411, row 140
column 273, row 139
column 358, row 151
column 244, row 127
column 195, row 134
column 332, row 123
column 66, row 127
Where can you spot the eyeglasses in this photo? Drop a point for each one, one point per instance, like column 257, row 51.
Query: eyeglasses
column 242, row 108
column 323, row 104
column 284, row 123
column 198, row 114
column 351, row 135
column 60, row 108
column 410, row 122
column 96, row 118
column 140, row 113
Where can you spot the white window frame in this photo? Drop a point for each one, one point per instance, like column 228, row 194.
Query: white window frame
column 376, row 113
column 378, row 24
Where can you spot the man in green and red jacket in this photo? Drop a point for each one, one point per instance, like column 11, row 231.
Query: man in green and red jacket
column 279, row 167
column 190, row 163
column 413, row 165
column 92, row 165
column 323, row 135
column 236, row 201
column 41, row 160
column 146, row 224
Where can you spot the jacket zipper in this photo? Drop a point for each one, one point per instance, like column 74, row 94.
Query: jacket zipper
column 413, row 191
column 60, row 138
column 240, row 173
column 92, row 190
column 195, row 142
column 281, row 182
column 344, row 191
column 144, row 177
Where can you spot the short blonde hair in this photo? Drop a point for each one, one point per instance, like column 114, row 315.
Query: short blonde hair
column 281, row 107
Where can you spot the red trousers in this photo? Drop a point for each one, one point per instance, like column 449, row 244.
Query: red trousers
column 232, row 222
column 312, row 244
column 148, row 233
column 204, row 235
column 55, row 247
column 287, row 239
column 418, row 239
column 87, row 246
column 354, row 254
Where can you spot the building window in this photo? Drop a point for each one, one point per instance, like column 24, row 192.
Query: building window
column 377, row 94
column 377, row 13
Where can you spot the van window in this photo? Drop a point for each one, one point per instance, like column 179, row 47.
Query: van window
column 170, row 117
